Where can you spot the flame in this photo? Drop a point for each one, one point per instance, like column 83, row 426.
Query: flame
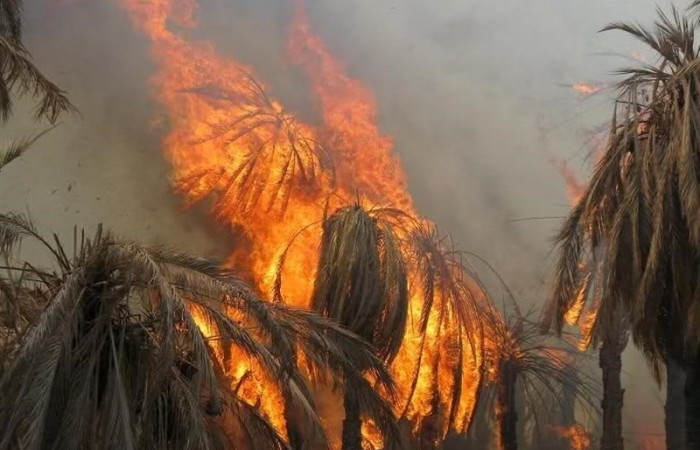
column 578, row 437
column 585, row 88
column 273, row 175
column 574, row 187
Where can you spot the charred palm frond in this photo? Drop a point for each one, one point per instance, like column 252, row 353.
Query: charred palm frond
column 447, row 318
column 437, row 335
column 632, row 241
column 361, row 282
column 18, row 73
column 118, row 358
column 520, row 357
column 271, row 154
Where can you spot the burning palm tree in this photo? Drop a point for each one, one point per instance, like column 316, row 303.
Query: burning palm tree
column 453, row 301
column 520, row 357
column 361, row 284
column 128, row 352
column 631, row 243
column 271, row 153
column 373, row 265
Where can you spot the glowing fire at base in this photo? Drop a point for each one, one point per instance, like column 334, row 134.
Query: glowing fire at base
column 271, row 176
column 577, row 436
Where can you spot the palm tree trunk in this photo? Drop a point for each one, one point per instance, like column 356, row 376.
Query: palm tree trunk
column 692, row 406
column 675, row 408
column 429, row 430
column 610, row 361
column 506, row 413
column 352, row 425
column 291, row 419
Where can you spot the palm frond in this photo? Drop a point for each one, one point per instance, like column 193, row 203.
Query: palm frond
column 128, row 354
column 361, row 279
column 17, row 148
column 631, row 244
column 19, row 75
column 272, row 155
column 545, row 371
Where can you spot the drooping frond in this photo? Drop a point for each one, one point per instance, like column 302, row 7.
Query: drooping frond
column 271, row 154
column 361, row 280
column 446, row 332
column 17, row 148
column 542, row 368
column 128, row 354
column 630, row 246
column 19, row 75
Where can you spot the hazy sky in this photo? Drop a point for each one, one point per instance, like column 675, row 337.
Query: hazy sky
column 476, row 94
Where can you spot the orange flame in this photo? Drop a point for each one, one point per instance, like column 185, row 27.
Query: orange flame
column 574, row 187
column 585, row 88
column 577, row 435
column 270, row 176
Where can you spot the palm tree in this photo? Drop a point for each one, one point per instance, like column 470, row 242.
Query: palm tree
column 519, row 357
column 273, row 156
column 453, row 301
column 119, row 357
column 361, row 283
column 631, row 243
column 18, row 73
column 371, row 262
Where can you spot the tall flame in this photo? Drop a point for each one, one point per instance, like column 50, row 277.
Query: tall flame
column 273, row 176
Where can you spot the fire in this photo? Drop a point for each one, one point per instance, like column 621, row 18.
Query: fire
column 272, row 177
column 585, row 88
column 578, row 438
column 574, row 187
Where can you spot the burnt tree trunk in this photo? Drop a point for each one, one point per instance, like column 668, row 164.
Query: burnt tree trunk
column 692, row 405
column 352, row 425
column 293, row 423
column 430, row 427
column 610, row 361
column 506, row 413
column 675, row 406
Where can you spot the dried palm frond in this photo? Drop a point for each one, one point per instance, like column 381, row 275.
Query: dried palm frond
column 361, row 280
column 271, row 153
column 17, row 148
column 449, row 316
column 367, row 257
column 18, row 73
column 519, row 356
column 118, row 359
column 631, row 243
column 361, row 284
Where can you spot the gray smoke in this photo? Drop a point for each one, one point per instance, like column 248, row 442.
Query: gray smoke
column 476, row 94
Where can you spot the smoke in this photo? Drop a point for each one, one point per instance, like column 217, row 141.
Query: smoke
column 477, row 95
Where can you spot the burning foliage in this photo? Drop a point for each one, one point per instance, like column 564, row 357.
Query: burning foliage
column 230, row 140
column 132, row 335
column 520, row 357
